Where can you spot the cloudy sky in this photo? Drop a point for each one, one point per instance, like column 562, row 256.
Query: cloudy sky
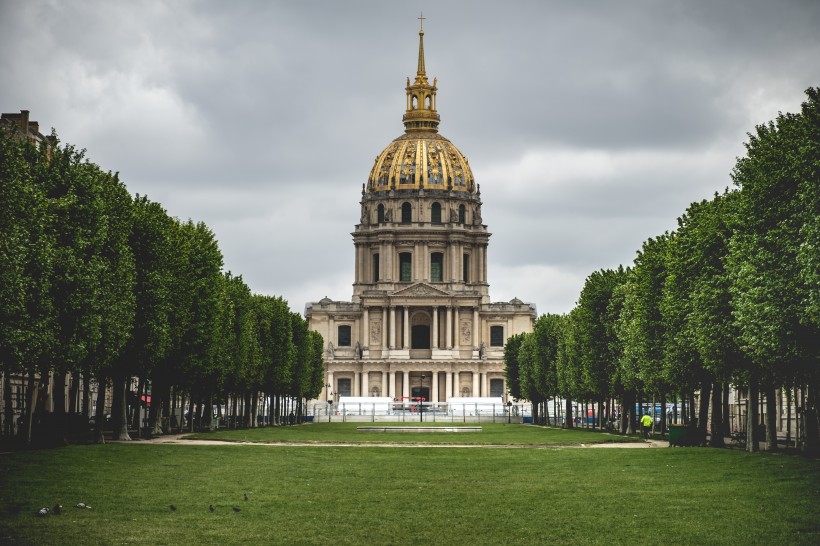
column 590, row 126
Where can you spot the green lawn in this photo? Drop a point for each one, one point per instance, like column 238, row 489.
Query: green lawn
column 400, row 495
column 491, row 434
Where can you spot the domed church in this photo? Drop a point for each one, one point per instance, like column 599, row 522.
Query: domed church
column 420, row 323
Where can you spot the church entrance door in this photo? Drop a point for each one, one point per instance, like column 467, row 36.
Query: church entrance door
column 420, row 336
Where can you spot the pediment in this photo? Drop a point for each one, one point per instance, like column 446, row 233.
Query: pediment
column 419, row 290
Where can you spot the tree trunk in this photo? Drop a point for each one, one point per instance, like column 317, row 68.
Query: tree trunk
column 99, row 417
column 86, row 395
column 32, row 403
column 73, row 392
column 811, row 423
column 663, row 414
column 716, row 426
column 703, row 413
column 771, row 418
column 751, row 418
column 726, row 426
column 58, row 393
column 568, row 419
column 136, row 418
column 154, row 408
column 8, row 409
column 209, row 412
column 121, row 404
column 788, row 417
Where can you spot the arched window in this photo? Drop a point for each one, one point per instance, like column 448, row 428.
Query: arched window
column 380, row 214
column 405, row 267
column 436, row 267
column 435, row 213
column 461, row 214
column 406, row 213
column 465, row 268
column 428, row 102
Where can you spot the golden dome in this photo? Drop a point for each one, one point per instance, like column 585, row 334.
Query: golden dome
column 421, row 158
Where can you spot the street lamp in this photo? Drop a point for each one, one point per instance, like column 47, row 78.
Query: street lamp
column 329, row 400
column 509, row 412
column 421, row 400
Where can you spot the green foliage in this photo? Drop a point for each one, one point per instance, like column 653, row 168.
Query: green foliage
column 595, row 327
column 512, row 370
column 774, row 281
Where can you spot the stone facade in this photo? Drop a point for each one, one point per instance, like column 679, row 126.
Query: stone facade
column 420, row 323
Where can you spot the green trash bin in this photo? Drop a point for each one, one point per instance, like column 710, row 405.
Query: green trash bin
column 678, row 435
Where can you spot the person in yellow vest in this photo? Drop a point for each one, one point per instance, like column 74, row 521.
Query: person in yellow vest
column 646, row 423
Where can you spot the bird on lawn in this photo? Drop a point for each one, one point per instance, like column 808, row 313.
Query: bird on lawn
column 173, row 508
column 236, row 509
column 58, row 509
column 81, row 505
column 42, row 512
column 211, row 508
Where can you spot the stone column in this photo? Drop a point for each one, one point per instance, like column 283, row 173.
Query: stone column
column 434, row 390
column 384, row 327
column 448, row 386
column 435, row 327
column 366, row 325
column 484, row 262
column 384, row 384
column 356, row 272
column 448, row 330
column 331, row 322
column 405, row 385
column 392, row 326
column 332, row 388
column 357, row 378
column 391, row 385
column 406, row 341
column 456, row 330
column 476, row 385
column 476, row 327
column 485, row 384
column 365, row 384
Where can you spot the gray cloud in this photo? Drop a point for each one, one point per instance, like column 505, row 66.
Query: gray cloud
column 590, row 126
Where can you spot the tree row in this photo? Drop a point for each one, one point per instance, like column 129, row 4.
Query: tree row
column 104, row 287
column 729, row 298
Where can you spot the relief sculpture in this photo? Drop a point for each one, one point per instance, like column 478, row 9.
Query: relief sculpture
column 465, row 333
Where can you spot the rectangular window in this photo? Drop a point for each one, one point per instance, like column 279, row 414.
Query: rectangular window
column 496, row 336
column 465, row 273
column 376, row 267
column 437, row 267
column 405, row 267
column 497, row 388
column 343, row 387
column 344, row 336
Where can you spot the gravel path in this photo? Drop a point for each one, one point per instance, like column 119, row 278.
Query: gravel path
column 181, row 439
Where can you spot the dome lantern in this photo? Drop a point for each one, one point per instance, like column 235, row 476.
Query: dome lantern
column 421, row 158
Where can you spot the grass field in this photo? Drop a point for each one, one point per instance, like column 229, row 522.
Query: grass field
column 400, row 495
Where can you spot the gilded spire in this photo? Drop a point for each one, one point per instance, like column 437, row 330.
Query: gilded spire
column 421, row 96
column 421, row 75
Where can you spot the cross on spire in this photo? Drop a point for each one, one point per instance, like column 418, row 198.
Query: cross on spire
column 421, row 20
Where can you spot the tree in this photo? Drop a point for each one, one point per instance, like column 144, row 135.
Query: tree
column 26, row 261
column 774, row 284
